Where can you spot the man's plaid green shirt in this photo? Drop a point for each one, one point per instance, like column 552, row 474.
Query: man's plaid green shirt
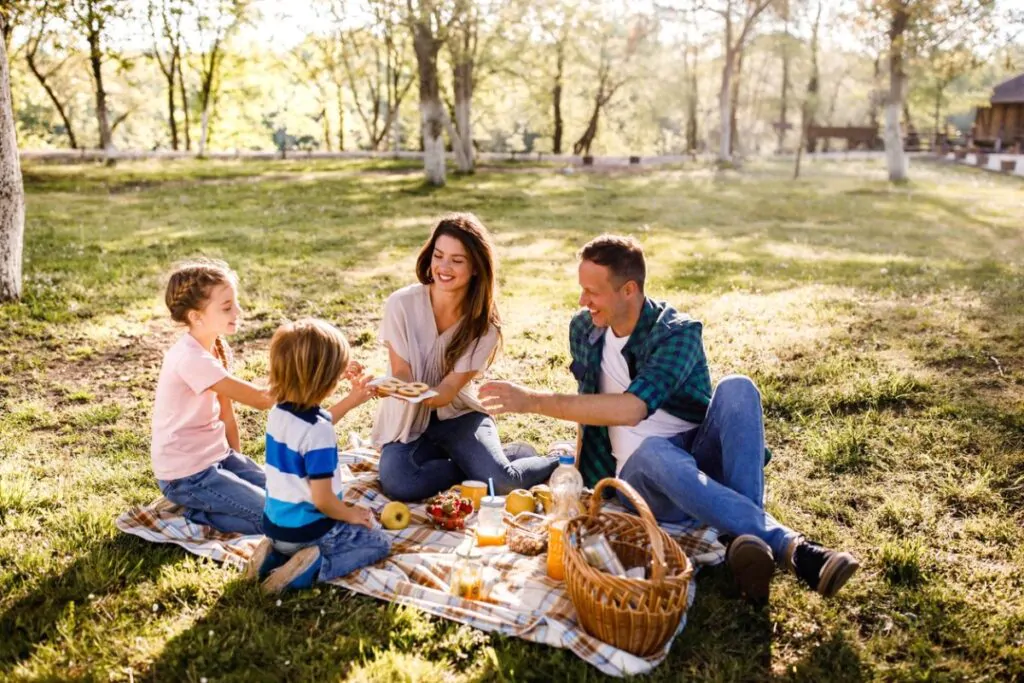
column 667, row 368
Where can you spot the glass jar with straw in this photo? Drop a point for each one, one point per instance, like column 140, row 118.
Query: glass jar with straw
column 490, row 528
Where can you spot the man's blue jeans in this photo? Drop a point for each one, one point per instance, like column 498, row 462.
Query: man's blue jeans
column 713, row 474
column 228, row 496
column 450, row 451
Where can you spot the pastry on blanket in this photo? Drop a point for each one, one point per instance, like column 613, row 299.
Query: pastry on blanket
column 412, row 390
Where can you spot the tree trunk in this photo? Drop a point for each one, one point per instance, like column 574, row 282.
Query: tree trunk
column 206, row 95
column 556, row 97
column 172, row 120
column 692, row 104
column 725, row 110
column 734, row 135
column 462, row 144
column 810, row 101
column 96, row 61
column 12, row 191
column 784, row 103
column 187, row 124
column 940, row 132
column 341, row 119
column 204, row 131
column 7, row 32
column 432, row 113
column 41, row 77
column 582, row 146
column 432, row 116
column 896, row 159
column 873, row 110
column 326, row 121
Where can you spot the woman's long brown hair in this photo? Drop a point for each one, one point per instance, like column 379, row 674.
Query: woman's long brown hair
column 479, row 309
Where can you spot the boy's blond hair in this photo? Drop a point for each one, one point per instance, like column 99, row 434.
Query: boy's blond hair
column 307, row 359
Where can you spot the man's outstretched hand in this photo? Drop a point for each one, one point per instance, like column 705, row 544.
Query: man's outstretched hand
column 505, row 397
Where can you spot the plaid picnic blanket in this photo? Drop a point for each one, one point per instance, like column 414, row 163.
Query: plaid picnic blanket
column 524, row 602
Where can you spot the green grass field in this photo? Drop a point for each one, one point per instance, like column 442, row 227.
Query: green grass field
column 885, row 327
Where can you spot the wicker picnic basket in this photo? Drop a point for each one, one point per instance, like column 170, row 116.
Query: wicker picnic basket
column 636, row 615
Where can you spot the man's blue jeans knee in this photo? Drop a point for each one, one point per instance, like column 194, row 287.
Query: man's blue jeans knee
column 713, row 474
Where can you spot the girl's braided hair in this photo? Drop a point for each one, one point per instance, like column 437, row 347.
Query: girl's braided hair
column 188, row 289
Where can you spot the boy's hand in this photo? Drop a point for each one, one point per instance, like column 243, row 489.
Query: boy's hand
column 360, row 516
column 353, row 370
column 361, row 392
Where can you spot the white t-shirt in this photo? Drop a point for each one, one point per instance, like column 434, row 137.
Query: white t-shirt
column 615, row 380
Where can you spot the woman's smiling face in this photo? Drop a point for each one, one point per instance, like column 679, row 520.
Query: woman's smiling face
column 450, row 264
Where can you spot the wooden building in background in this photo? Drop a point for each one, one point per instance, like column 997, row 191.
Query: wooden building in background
column 1000, row 126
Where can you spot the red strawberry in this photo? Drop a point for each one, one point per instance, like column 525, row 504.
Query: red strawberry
column 465, row 506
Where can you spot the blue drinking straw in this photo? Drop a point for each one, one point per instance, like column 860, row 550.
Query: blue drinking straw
column 490, row 483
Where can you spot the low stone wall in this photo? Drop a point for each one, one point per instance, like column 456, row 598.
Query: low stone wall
column 1012, row 164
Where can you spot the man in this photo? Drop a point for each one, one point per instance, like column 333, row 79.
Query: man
column 647, row 414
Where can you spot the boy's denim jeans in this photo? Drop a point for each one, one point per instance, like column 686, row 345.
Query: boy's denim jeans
column 450, row 451
column 713, row 474
column 228, row 496
column 343, row 549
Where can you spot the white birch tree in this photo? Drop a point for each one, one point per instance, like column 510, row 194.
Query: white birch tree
column 12, row 191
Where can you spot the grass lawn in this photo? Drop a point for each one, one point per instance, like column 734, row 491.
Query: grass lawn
column 885, row 327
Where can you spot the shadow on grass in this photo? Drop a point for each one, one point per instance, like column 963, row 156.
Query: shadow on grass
column 105, row 568
column 325, row 633
column 834, row 659
column 329, row 633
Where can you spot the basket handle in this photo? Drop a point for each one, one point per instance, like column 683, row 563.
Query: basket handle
column 646, row 518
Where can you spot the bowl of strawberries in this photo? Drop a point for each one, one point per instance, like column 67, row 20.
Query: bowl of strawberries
column 449, row 510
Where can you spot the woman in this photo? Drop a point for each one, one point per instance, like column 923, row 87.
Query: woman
column 443, row 332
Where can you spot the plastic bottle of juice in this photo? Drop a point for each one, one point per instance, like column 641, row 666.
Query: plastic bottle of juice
column 566, row 486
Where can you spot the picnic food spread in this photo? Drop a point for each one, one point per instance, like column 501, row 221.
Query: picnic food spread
column 528, row 534
column 449, row 510
column 412, row 390
column 391, row 386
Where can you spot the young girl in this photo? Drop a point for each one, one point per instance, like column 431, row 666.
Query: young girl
column 311, row 534
column 443, row 332
column 196, row 448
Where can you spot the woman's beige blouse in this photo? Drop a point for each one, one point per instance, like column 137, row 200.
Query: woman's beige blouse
column 408, row 327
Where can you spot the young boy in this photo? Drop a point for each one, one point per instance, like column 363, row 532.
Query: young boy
column 311, row 535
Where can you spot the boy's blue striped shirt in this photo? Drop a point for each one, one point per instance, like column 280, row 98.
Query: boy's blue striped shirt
column 301, row 445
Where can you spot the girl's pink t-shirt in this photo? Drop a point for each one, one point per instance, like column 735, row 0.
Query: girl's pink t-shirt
column 188, row 434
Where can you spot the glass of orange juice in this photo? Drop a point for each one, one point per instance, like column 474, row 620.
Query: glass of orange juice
column 474, row 490
column 490, row 529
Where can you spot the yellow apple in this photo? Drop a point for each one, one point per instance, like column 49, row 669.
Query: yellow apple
column 395, row 516
column 542, row 493
column 518, row 501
